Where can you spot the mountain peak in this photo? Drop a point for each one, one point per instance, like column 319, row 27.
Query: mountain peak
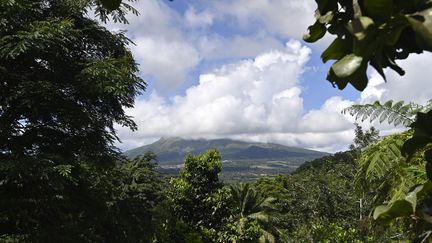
column 172, row 150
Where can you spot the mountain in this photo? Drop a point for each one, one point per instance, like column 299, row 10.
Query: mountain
column 241, row 160
column 174, row 150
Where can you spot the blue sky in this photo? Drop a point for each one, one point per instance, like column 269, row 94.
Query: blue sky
column 239, row 69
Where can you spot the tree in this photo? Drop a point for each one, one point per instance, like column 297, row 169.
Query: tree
column 364, row 138
column 249, row 205
column 198, row 197
column 64, row 83
column 138, row 190
column 370, row 32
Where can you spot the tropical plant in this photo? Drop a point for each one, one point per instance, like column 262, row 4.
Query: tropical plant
column 394, row 113
column 249, row 205
column 383, row 166
column 395, row 166
column 333, row 233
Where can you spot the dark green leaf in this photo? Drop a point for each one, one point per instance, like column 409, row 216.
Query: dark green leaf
column 346, row 66
column 336, row 50
column 386, row 213
column 359, row 27
column 316, row 32
column 421, row 23
column 379, row 8
column 111, row 4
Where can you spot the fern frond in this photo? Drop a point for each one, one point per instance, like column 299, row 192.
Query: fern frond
column 384, row 168
column 395, row 113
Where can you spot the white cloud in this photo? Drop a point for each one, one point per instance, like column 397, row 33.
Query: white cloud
column 215, row 46
column 161, row 48
column 414, row 86
column 200, row 20
column 288, row 18
column 328, row 118
column 167, row 61
column 254, row 99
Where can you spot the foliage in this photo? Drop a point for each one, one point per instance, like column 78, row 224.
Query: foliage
column 397, row 113
column 383, row 166
column 251, row 206
column 362, row 138
column 397, row 179
column 334, row 233
column 64, row 83
column 370, row 32
column 197, row 196
column 139, row 189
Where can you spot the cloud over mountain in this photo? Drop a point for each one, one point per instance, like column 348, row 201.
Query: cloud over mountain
column 254, row 99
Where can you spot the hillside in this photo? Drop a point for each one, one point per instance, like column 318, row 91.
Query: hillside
column 241, row 160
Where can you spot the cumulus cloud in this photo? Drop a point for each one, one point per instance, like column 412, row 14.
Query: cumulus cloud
column 218, row 47
column 414, row 86
column 195, row 19
column 288, row 18
column 161, row 48
column 254, row 99
column 167, row 61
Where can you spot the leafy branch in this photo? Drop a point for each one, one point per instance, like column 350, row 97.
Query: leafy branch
column 394, row 113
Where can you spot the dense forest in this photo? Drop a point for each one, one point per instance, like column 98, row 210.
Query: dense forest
column 65, row 81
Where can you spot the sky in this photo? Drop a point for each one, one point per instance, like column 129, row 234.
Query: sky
column 240, row 70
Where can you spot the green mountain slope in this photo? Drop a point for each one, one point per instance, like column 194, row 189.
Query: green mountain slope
column 173, row 150
column 241, row 160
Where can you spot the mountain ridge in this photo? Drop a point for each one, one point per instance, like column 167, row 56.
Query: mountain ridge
column 172, row 150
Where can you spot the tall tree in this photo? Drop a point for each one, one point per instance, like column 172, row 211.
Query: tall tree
column 64, row 83
column 198, row 197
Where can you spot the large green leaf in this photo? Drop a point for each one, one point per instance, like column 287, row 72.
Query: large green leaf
column 421, row 23
column 346, row 66
column 316, row 32
column 404, row 207
column 379, row 8
column 349, row 70
column 386, row 213
column 337, row 49
column 422, row 134
column 359, row 27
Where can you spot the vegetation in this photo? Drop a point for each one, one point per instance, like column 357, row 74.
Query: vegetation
column 65, row 81
column 370, row 32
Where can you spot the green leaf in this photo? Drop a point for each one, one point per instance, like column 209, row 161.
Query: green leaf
column 336, row 50
column 346, row 66
column 349, row 69
column 377, row 62
column 379, row 8
column 421, row 23
column 386, row 213
column 316, row 32
column 111, row 4
column 394, row 29
column 359, row 79
column 326, row 18
column 359, row 27
column 326, row 5
column 422, row 134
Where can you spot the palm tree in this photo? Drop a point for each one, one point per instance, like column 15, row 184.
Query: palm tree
column 251, row 205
